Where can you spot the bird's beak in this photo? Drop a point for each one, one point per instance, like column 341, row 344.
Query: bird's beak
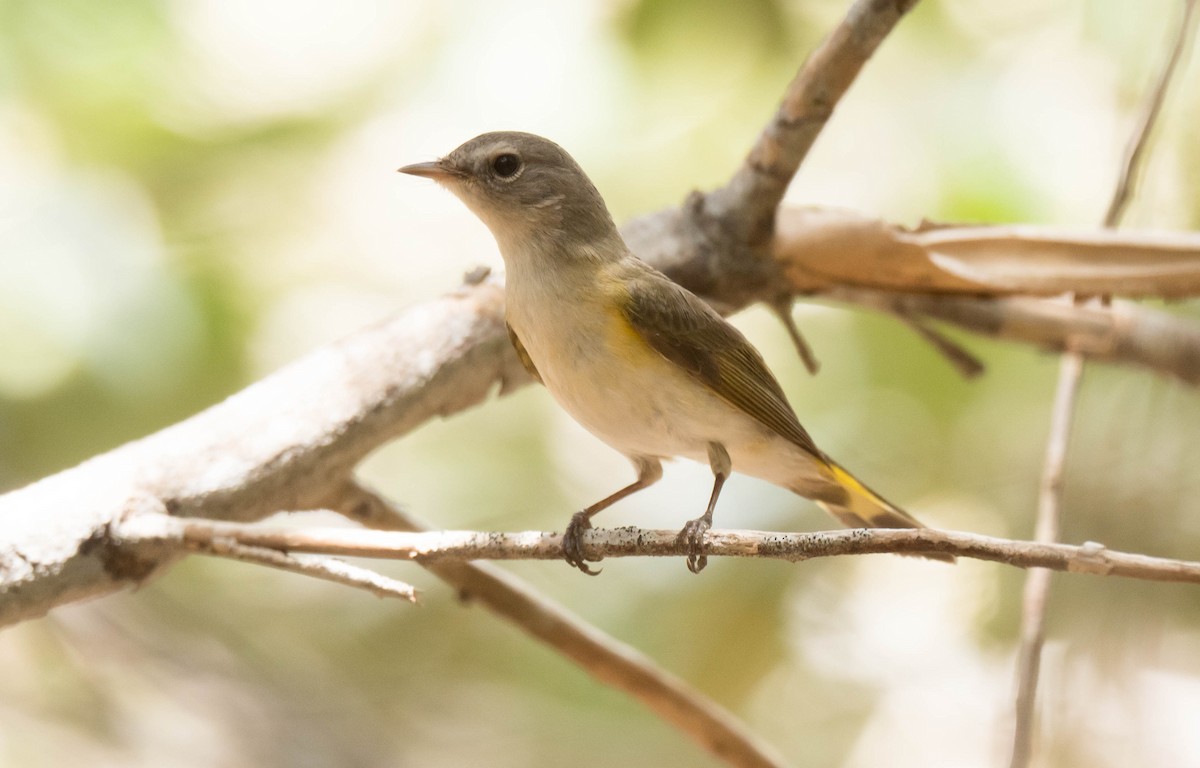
column 438, row 170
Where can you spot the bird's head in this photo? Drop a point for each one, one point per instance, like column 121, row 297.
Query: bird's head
column 526, row 189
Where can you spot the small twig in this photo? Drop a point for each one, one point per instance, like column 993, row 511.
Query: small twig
column 956, row 354
column 782, row 307
column 324, row 568
column 1135, row 153
column 604, row 657
column 757, row 187
column 439, row 546
column 1037, row 585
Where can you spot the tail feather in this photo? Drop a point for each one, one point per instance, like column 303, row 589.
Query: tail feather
column 860, row 507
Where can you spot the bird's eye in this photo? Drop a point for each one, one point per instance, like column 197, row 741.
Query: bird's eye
column 506, row 165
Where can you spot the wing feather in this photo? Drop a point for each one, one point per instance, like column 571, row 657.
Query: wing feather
column 689, row 333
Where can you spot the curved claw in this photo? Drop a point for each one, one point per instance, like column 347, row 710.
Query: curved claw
column 572, row 543
column 692, row 537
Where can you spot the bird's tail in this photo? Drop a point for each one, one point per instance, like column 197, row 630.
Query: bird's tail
column 861, row 507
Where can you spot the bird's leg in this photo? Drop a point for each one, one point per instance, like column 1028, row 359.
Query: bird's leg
column 649, row 472
column 692, row 535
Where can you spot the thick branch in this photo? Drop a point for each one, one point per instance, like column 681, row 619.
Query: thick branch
column 283, row 442
column 817, row 249
column 1122, row 333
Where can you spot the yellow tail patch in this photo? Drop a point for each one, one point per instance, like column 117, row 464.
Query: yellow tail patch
column 865, row 508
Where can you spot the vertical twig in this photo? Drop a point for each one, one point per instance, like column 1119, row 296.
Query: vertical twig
column 1037, row 583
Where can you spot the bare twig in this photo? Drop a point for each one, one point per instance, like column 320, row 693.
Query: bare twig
column 782, row 307
column 323, row 568
column 758, row 186
column 604, row 657
column 439, row 546
column 1037, row 585
column 1134, row 154
column 956, row 354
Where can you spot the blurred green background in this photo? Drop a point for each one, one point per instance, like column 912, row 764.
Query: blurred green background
column 194, row 192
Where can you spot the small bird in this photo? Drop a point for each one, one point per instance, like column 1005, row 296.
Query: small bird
column 638, row 360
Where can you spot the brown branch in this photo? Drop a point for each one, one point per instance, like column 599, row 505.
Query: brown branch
column 439, row 546
column 817, row 249
column 782, row 308
column 752, row 196
column 605, row 658
column 1122, row 333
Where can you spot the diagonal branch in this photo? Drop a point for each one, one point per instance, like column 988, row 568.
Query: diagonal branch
column 1131, row 169
column 758, row 186
column 602, row 656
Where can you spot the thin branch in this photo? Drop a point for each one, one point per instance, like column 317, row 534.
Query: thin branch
column 1135, row 154
column 1037, row 585
column 782, row 308
column 324, row 568
column 605, row 658
column 439, row 546
column 758, row 186
column 967, row 364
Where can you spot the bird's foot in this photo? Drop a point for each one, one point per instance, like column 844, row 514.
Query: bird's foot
column 692, row 537
column 572, row 542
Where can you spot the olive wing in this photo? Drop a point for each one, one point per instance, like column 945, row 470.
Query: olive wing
column 689, row 333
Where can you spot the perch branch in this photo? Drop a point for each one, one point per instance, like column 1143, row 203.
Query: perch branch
column 286, row 441
column 438, row 546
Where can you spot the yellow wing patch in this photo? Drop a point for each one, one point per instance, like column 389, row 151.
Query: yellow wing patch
column 523, row 355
